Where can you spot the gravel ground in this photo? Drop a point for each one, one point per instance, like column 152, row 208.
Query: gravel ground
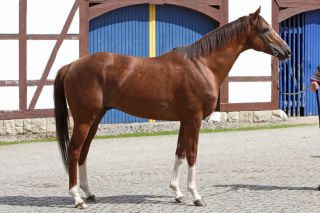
column 248, row 171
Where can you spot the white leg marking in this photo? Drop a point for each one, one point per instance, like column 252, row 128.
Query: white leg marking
column 174, row 183
column 75, row 194
column 84, row 180
column 192, row 183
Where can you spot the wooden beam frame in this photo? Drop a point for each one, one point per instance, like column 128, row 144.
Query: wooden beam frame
column 22, row 54
column 37, row 113
column 23, row 83
column 216, row 9
column 53, row 55
column 296, row 3
column 199, row 6
column 288, row 8
column 289, row 12
column 13, row 83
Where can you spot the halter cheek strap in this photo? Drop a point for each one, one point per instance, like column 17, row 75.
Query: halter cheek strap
column 264, row 36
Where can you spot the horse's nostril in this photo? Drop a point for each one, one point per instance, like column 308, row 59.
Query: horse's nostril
column 289, row 52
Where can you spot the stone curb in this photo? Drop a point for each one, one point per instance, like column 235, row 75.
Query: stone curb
column 45, row 127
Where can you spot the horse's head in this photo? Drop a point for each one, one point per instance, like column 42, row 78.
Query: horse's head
column 264, row 38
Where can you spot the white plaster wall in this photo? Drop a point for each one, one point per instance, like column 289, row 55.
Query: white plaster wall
column 45, row 100
column 238, row 8
column 9, row 16
column 249, row 92
column 9, row 53
column 48, row 16
column 251, row 63
column 68, row 52
column 9, row 97
column 39, row 52
column 38, row 55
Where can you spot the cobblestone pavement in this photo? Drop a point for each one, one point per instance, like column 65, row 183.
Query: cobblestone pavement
column 249, row 171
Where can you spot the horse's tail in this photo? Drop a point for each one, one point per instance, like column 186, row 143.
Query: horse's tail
column 61, row 115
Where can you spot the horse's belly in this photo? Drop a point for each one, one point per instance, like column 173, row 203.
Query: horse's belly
column 148, row 107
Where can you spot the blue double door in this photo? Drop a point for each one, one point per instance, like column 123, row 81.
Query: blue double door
column 302, row 33
column 127, row 31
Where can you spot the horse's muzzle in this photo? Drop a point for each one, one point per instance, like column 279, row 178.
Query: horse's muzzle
column 280, row 52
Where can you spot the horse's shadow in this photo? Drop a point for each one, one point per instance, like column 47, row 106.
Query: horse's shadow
column 265, row 187
column 59, row 201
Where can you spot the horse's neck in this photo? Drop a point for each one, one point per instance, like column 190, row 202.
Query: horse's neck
column 220, row 61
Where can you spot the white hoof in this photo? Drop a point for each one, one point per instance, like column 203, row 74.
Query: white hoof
column 81, row 205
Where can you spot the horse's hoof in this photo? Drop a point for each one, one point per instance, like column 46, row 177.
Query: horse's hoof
column 180, row 199
column 199, row 202
column 81, row 205
column 91, row 199
column 318, row 188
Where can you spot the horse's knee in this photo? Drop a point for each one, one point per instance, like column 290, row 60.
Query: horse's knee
column 181, row 155
column 181, row 151
column 74, row 151
column 74, row 157
column 191, row 159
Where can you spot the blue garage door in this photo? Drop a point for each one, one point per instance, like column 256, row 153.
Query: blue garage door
column 126, row 31
column 178, row 26
column 301, row 32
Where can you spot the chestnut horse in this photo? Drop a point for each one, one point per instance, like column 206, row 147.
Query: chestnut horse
column 180, row 85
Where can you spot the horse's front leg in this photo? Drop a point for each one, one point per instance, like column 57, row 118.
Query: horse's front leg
column 180, row 156
column 192, row 130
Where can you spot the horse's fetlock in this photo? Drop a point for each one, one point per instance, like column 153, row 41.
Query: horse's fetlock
column 191, row 188
column 82, row 187
column 73, row 191
column 174, row 186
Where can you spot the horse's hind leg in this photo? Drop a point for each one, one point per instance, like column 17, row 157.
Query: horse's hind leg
column 79, row 135
column 180, row 156
column 83, row 156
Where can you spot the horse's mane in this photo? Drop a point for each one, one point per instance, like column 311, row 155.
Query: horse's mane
column 215, row 39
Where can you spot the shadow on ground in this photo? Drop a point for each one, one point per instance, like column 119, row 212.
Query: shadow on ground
column 56, row 201
column 265, row 187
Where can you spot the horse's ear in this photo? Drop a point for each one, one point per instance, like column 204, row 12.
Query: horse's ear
column 256, row 14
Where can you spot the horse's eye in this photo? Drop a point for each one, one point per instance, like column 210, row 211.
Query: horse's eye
column 265, row 30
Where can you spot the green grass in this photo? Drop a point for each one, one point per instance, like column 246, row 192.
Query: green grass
column 51, row 139
column 275, row 126
column 162, row 133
